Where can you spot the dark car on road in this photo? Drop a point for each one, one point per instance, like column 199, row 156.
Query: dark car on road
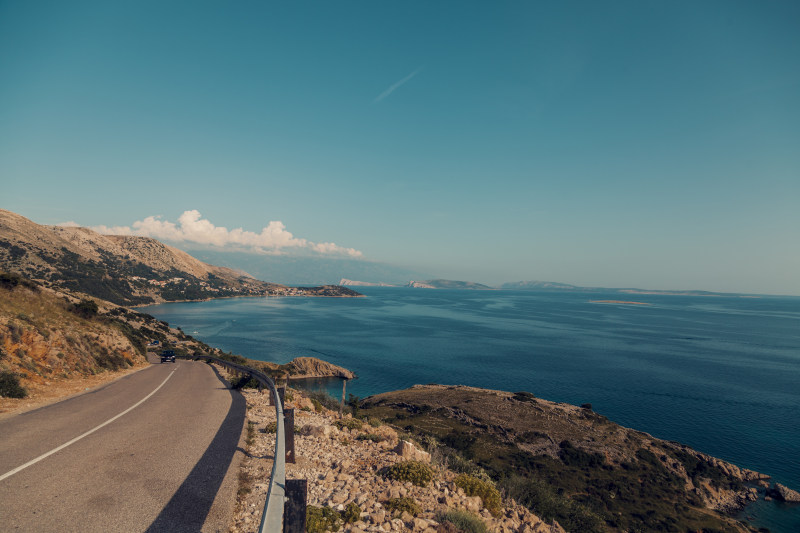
column 167, row 356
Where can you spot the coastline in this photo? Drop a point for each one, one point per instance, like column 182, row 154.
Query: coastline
column 246, row 296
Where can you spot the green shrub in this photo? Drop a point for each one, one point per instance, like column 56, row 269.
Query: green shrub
column 398, row 506
column 463, row 521
column 349, row 423
column 489, row 495
column 10, row 387
column 550, row 504
column 8, row 280
column 306, row 409
column 324, row 399
column 354, row 402
column 85, row 308
column 317, row 405
column 272, row 427
column 351, row 513
column 244, row 382
column 416, row 472
column 572, row 456
column 321, row 519
column 524, row 397
column 374, row 422
column 371, row 436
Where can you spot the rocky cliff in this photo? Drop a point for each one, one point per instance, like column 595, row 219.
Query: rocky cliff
column 309, row 367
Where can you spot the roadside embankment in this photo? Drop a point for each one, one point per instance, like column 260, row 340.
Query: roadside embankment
column 347, row 464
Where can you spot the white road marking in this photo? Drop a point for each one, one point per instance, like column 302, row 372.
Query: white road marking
column 76, row 439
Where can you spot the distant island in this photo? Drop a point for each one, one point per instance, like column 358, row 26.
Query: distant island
column 549, row 286
column 448, row 284
column 344, row 282
column 554, row 286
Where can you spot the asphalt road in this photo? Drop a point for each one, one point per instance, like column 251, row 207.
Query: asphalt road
column 167, row 464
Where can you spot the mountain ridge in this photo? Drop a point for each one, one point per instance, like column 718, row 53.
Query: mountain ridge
column 126, row 270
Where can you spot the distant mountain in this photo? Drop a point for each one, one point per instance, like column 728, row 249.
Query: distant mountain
column 541, row 285
column 315, row 270
column 552, row 286
column 125, row 270
column 447, row 284
column 352, row 283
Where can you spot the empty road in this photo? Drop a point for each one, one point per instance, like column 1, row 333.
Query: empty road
column 153, row 451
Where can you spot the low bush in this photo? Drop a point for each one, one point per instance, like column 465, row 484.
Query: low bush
column 349, row 423
column 351, row 513
column 398, row 506
column 550, row 504
column 371, row 436
column 85, row 308
column 490, row 496
column 317, row 405
column 524, row 397
column 324, row 400
column 10, row 387
column 244, row 382
column 462, row 521
column 321, row 519
column 416, row 472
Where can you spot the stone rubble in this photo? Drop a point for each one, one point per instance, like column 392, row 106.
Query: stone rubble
column 341, row 468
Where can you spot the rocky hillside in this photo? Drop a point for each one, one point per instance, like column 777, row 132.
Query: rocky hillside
column 364, row 477
column 125, row 270
column 45, row 337
column 571, row 464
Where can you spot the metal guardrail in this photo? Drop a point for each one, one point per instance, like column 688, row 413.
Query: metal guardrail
column 272, row 518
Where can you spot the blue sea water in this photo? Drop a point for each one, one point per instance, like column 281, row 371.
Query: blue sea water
column 719, row 373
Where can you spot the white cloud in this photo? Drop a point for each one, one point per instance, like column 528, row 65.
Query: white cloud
column 191, row 227
column 395, row 86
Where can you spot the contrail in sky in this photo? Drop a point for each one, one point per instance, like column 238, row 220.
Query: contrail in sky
column 394, row 86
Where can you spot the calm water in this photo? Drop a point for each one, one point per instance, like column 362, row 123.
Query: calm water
column 721, row 374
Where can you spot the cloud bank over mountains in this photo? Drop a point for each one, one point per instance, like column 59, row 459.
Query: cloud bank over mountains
column 192, row 228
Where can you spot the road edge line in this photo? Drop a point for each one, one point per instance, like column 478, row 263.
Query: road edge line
column 79, row 437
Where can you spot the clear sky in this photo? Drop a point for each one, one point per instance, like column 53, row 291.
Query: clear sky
column 647, row 144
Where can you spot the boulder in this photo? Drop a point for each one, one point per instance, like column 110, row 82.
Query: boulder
column 314, row 430
column 407, row 450
column 786, row 494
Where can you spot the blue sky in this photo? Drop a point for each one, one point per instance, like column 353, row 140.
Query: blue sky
column 649, row 144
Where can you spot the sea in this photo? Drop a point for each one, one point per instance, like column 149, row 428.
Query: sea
column 718, row 373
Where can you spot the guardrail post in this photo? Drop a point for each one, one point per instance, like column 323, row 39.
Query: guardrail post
column 341, row 405
column 294, row 513
column 288, row 427
column 282, row 394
